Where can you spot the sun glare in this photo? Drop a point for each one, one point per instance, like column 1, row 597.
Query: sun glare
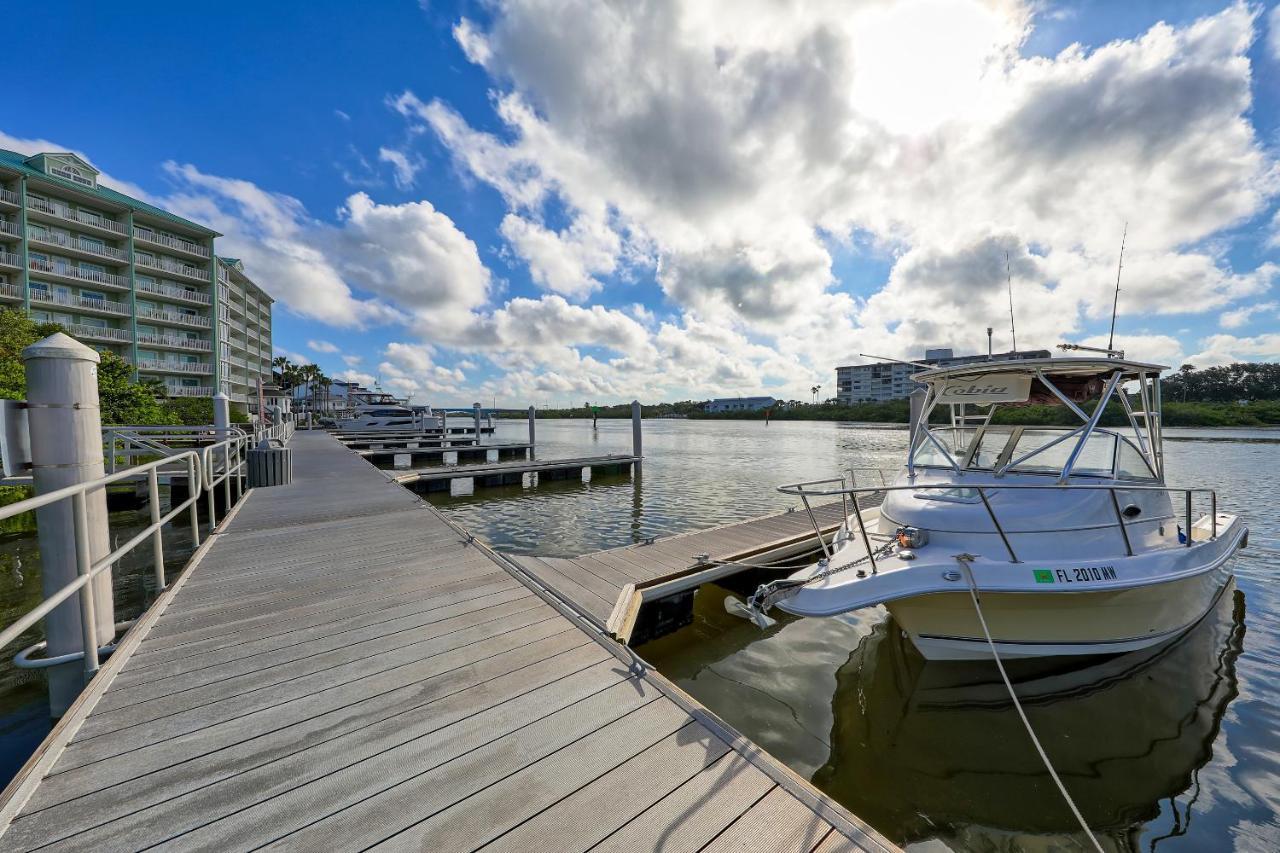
column 921, row 63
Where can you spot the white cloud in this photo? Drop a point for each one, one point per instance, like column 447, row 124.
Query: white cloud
column 404, row 166
column 342, row 115
column 352, row 360
column 731, row 158
column 1226, row 349
column 1273, row 32
column 1242, row 316
column 278, row 241
column 321, row 346
column 565, row 262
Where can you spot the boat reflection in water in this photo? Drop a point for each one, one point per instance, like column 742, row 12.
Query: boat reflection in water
column 925, row 750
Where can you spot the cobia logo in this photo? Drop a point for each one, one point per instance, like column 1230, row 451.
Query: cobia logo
column 975, row 391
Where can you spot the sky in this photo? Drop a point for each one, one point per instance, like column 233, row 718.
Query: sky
column 552, row 203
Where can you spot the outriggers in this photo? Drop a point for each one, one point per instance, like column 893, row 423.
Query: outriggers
column 1066, row 539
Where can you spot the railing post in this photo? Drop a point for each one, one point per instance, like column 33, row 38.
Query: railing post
column 193, row 492
column 84, row 564
column 66, row 448
column 1213, row 510
column 157, row 538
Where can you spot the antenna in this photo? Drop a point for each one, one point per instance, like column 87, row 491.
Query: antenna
column 1008, row 274
column 1116, row 301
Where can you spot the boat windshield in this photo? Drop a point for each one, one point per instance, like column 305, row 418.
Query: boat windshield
column 1035, row 450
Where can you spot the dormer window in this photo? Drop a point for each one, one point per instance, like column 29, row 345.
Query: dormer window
column 67, row 166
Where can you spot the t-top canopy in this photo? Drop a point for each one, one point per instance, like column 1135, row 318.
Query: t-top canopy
column 1074, row 368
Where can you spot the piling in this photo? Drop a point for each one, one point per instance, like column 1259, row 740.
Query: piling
column 532, row 446
column 222, row 416
column 476, row 410
column 636, row 449
column 66, row 449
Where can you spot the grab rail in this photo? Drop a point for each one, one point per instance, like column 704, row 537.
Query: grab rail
column 88, row 569
column 232, row 448
column 804, row 493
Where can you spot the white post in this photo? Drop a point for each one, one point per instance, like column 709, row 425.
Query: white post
column 532, row 416
column 66, row 448
column 476, row 411
column 636, row 448
column 916, row 401
column 222, row 416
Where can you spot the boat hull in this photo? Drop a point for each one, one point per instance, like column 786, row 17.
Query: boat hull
column 945, row 626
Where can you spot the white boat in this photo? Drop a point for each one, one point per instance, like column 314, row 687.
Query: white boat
column 1068, row 537
column 374, row 417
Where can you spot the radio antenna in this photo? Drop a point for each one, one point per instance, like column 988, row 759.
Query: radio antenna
column 1115, row 304
column 1013, row 329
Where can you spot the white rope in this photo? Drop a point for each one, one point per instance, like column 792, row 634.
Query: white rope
column 964, row 560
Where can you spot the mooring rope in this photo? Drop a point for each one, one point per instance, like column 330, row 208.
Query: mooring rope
column 964, row 560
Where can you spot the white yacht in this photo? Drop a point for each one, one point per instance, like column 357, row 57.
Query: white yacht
column 372, row 417
column 1067, row 537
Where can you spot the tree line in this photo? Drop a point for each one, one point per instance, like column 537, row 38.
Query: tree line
column 1224, row 383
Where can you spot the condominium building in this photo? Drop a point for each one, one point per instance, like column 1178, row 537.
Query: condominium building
column 891, row 380
column 243, row 332
column 129, row 278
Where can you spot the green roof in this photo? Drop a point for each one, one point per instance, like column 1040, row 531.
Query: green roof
column 18, row 163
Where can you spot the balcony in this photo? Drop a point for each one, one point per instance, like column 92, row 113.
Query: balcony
column 10, row 291
column 43, row 209
column 171, row 267
column 168, row 292
column 176, row 319
column 100, row 306
column 174, row 342
column 9, row 259
column 9, row 198
column 96, row 251
column 188, row 390
column 10, row 228
column 95, row 333
column 175, row 244
column 165, row 365
column 60, row 269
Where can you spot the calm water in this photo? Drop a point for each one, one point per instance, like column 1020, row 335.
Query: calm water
column 1172, row 749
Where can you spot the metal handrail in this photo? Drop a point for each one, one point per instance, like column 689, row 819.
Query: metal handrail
column 231, row 448
column 804, row 493
column 88, row 569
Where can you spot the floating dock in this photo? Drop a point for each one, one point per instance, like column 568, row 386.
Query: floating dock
column 610, row 587
column 340, row 668
column 513, row 473
column 467, row 453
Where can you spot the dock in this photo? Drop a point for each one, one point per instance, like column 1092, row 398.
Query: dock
column 514, row 472
column 471, row 452
column 609, row 587
column 340, row 667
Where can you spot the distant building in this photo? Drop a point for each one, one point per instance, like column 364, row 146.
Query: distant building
column 739, row 404
column 881, row 381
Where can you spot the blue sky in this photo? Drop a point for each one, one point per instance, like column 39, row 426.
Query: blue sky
column 585, row 203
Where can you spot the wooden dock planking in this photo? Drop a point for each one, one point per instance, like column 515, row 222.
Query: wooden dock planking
column 342, row 669
column 605, row 575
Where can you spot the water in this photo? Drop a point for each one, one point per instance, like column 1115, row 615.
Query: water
column 1174, row 749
